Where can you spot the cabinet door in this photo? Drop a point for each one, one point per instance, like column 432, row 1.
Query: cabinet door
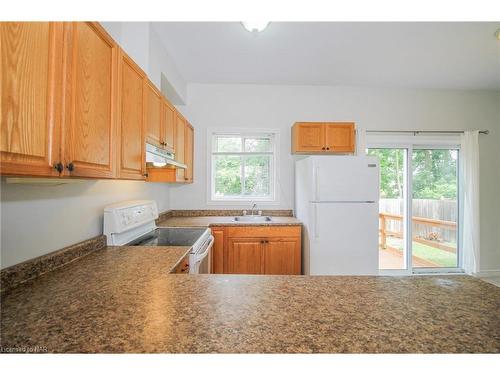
column 31, row 66
column 244, row 256
column 89, row 128
column 340, row 137
column 153, row 104
column 218, row 251
column 168, row 128
column 180, row 145
column 189, row 153
column 131, row 129
column 282, row 256
column 308, row 137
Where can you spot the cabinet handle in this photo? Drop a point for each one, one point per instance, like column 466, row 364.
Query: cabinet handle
column 328, row 148
column 70, row 167
column 261, row 241
column 322, row 148
column 59, row 167
column 145, row 174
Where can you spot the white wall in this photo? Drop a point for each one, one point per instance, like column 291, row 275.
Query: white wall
column 280, row 106
column 142, row 43
column 38, row 219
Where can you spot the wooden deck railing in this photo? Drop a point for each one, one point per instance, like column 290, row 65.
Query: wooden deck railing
column 384, row 216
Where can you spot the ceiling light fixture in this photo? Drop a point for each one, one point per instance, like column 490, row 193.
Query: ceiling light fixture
column 255, row 26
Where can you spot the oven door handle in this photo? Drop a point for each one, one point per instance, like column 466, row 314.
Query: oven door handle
column 200, row 257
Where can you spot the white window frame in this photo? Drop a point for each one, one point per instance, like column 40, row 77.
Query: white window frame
column 410, row 142
column 273, row 198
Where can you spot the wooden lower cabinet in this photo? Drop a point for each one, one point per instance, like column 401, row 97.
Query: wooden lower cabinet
column 260, row 250
column 282, row 256
column 218, row 251
column 245, row 256
column 182, row 267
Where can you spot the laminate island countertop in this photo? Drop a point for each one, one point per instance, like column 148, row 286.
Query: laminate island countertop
column 124, row 300
column 224, row 221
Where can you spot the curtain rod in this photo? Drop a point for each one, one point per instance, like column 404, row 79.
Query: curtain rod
column 425, row 131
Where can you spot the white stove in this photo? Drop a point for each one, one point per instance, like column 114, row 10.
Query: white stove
column 133, row 223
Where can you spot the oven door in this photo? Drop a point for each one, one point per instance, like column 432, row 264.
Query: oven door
column 200, row 261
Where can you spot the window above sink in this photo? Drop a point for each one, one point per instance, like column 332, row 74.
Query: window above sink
column 242, row 166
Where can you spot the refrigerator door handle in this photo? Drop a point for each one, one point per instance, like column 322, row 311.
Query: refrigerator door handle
column 316, row 182
column 315, row 221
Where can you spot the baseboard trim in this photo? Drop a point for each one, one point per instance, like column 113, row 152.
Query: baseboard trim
column 487, row 273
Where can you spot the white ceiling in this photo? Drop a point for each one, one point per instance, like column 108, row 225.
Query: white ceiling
column 462, row 55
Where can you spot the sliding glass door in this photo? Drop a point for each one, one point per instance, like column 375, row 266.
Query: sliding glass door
column 435, row 207
column 393, row 249
column 419, row 208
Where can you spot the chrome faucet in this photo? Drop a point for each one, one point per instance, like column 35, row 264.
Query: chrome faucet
column 253, row 208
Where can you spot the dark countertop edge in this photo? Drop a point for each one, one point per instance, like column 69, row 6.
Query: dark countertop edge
column 32, row 268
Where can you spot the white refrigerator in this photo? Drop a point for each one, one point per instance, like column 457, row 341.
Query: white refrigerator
column 336, row 198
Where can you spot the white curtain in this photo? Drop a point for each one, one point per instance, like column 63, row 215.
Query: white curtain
column 470, row 186
column 361, row 141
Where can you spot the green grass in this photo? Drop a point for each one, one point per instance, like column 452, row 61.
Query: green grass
column 437, row 256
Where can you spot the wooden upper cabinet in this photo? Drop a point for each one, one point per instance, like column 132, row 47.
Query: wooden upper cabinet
column 180, row 145
column 340, row 137
column 308, row 137
column 189, row 153
column 89, row 126
column 131, row 120
column 30, row 104
column 168, row 126
column 153, row 114
column 323, row 137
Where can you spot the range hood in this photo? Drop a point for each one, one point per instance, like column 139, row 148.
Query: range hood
column 161, row 158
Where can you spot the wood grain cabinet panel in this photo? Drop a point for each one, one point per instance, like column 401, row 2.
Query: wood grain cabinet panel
column 180, row 145
column 262, row 250
column 31, row 78
column 340, row 137
column 89, row 125
column 153, row 114
column 282, row 256
column 308, row 137
column 189, row 154
column 218, row 251
column 323, row 137
column 168, row 126
column 245, row 256
column 131, row 119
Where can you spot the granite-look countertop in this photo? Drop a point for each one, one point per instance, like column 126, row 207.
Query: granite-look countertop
column 224, row 221
column 124, row 300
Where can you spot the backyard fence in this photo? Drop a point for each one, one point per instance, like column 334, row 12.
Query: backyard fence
column 428, row 216
column 434, row 222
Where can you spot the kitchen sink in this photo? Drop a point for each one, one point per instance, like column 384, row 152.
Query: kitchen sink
column 252, row 218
